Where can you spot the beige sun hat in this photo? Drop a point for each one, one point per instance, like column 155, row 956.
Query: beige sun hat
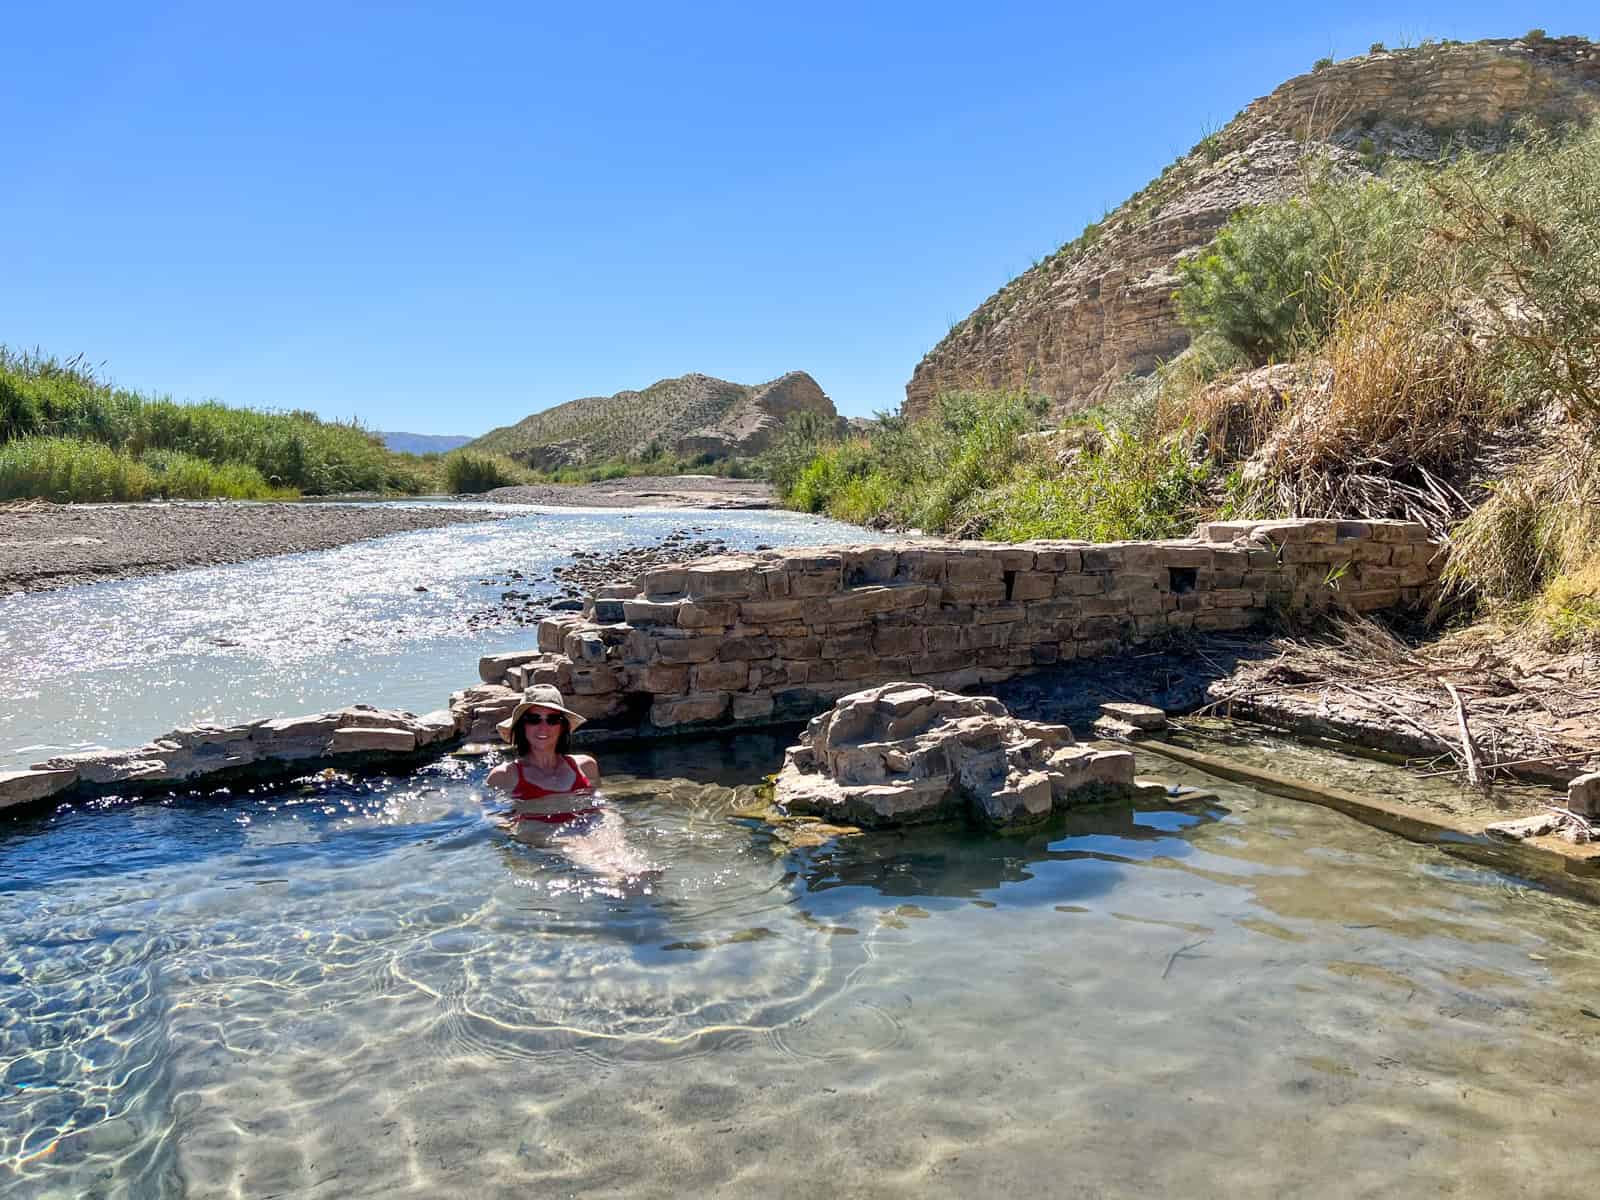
column 540, row 695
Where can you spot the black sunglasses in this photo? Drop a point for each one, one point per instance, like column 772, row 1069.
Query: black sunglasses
column 547, row 718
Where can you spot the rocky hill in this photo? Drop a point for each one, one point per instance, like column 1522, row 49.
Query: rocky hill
column 1101, row 308
column 686, row 417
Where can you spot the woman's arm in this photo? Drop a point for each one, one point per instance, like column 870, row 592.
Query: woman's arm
column 503, row 778
column 589, row 767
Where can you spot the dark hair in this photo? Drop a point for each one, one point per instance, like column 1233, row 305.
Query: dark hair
column 519, row 734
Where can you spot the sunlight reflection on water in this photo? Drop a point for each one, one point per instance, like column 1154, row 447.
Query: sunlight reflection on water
column 363, row 987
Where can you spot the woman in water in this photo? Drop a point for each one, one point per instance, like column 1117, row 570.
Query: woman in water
column 548, row 784
column 553, row 799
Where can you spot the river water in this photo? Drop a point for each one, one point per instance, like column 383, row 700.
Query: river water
column 116, row 664
column 366, row 988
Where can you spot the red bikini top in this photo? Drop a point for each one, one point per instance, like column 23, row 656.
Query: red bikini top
column 526, row 790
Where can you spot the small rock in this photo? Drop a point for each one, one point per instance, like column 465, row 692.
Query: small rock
column 1583, row 795
column 1140, row 716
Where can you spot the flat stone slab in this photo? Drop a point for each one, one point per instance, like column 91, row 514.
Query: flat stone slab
column 1583, row 795
column 357, row 738
column 1140, row 716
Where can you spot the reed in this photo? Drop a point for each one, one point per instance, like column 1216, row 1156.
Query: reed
column 45, row 397
column 69, row 470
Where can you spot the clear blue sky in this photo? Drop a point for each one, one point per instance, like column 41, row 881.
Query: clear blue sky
column 442, row 218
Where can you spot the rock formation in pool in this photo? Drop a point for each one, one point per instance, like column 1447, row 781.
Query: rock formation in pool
column 693, row 416
column 1101, row 307
column 905, row 753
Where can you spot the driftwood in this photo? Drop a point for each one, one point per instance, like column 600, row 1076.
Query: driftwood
column 1358, row 680
column 1469, row 748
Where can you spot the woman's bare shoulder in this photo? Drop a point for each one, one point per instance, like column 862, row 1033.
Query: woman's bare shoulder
column 588, row 765
column 503, row 777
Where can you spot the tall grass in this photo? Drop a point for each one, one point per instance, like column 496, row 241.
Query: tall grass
column 45, row 397
column 66, row 469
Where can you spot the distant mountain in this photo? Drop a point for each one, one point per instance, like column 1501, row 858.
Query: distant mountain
column 689, row 416
column 422, row 443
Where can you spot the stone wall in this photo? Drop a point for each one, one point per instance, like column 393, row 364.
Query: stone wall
column 779, row 635
column 1080, row 321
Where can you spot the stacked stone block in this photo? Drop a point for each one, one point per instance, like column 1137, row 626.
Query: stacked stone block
column 779, row 635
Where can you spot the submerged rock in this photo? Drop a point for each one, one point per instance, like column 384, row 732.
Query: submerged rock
column 905, row 753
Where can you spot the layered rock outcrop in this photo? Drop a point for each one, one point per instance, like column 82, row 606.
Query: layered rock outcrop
column 905, row 753
column 1102, row 307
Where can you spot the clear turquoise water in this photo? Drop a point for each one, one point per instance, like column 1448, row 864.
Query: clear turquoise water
column 366, row 988
column 369, row 989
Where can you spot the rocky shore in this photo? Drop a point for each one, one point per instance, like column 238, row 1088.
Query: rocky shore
column 44, row 546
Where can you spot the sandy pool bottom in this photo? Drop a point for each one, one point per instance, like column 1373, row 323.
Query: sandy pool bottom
column 366, row 990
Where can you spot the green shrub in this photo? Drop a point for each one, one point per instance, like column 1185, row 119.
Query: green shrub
column 921, row 474
column 69, row 470
column 1322, row 64
column 1273, row 281
column 470, row 471
column 1123, row 486
column 797, row 443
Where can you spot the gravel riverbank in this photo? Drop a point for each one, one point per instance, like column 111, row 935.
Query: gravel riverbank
column 645, row 491
column 45, row 546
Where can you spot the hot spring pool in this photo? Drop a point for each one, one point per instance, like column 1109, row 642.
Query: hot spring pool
column 365, row 988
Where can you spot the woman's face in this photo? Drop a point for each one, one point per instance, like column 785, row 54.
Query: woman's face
column 540, row 730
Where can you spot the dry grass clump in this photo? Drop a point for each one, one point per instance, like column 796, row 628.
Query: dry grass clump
column 1235, row 415
column 1388, row 420
column 1534, row 543
column 1407, row 399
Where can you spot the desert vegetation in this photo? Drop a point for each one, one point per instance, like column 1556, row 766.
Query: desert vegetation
column 1425, row 344
column 66, row 434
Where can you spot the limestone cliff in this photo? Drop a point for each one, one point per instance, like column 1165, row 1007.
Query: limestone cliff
column 689, row 416
column 1101, row 308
